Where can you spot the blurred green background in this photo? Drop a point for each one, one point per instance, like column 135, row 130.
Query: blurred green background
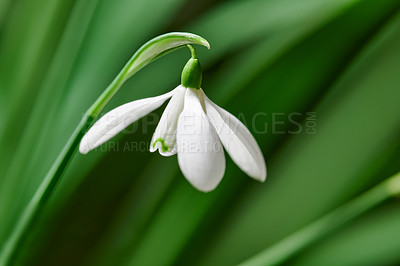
column 332, row 62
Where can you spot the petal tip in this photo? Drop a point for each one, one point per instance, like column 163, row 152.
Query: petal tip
column 263, row 178
column 83, row 151
column 260, row 175
column 204, row 189
column 83, row 148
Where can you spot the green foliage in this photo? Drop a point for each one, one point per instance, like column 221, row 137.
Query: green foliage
column 121, row 205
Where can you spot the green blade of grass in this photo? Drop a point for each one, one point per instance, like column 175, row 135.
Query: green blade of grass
column 370, row 240
column 356, row 243
column 49, row 96
column 28, row 43
column 304, row 237
column 4, row 7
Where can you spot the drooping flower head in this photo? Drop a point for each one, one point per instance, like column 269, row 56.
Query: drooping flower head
column 193, row 127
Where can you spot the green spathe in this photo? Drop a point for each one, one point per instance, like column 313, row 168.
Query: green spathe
column 147, row 53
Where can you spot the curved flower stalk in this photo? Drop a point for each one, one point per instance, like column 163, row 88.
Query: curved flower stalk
column 193, row 127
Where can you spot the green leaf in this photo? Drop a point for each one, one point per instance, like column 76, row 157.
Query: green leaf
column 294, row 243
column 28, row 40
column 160, row 46
column 369, row 240
column 356, row 243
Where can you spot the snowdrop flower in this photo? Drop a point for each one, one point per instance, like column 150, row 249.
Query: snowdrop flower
column 193, row 127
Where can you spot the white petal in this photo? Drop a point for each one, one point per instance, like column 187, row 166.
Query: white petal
column 237, row 140
column 164, row 138
column 118, row 119
column 200, row 153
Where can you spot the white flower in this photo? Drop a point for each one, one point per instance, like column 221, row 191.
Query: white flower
column 191, row 126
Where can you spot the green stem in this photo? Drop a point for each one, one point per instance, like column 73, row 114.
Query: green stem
column 192, row 51
column 308, row 235
column 149, row 52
